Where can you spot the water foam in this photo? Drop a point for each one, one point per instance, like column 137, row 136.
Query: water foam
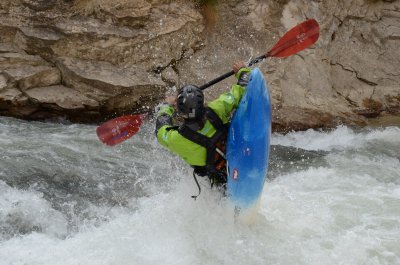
column 342, row 210
column 24, row 212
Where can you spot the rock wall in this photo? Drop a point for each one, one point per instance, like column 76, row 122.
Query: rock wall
column 89, row 60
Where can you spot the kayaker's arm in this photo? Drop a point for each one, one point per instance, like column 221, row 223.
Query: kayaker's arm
column 169, row 137
column 164, row 112
column 227, row 102
column 243, row 76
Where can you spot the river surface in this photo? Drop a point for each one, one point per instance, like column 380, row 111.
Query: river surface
column 331, row 198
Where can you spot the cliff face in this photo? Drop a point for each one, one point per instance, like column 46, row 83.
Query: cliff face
column 87, row 60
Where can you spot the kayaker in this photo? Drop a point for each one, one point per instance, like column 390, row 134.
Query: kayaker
column 201, row 139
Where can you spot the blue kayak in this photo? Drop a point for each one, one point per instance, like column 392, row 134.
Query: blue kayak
column 248, row 144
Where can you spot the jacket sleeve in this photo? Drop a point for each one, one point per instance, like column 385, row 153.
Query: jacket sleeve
column 170, row 138
column 164, row 114
column 227, row 102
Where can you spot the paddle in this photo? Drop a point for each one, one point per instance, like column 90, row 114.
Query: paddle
column 119, row 129
column 297, row 39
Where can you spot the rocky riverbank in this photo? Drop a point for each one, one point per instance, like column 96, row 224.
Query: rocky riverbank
column 89, row 60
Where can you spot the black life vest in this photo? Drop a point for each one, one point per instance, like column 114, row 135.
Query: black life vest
column 212, row 144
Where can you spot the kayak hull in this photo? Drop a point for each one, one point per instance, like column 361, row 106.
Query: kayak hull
column 248, row 144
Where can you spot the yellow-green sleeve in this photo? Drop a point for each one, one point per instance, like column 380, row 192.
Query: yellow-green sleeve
column 227, row 102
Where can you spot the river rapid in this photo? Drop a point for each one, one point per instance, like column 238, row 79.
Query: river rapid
column 331, row 198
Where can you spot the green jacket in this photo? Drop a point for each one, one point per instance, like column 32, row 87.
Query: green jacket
column 192, row 153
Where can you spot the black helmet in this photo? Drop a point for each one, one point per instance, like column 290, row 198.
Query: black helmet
column 190, row 102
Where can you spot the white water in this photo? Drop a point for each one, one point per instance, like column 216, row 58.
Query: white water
column 67, row 199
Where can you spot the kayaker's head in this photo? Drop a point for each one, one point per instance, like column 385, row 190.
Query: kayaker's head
column 190, row 102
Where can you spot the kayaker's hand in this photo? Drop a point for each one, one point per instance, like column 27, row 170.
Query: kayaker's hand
column 237, row 66
column 170, row 100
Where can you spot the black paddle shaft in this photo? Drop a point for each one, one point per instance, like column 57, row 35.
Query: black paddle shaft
column 226, row 75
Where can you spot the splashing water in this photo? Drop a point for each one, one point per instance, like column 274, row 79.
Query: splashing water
column 331, row 198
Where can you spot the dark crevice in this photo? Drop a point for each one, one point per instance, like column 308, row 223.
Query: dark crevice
column 349, row 69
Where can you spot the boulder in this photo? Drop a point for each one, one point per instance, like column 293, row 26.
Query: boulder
column 28, row 76
column 115, row 88
column 63, row 97
column 124, row 56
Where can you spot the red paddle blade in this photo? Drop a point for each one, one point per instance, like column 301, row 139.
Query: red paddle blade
column 119, row 129
column 297, row 39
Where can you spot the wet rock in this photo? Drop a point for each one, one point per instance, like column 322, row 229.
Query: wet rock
column 170, row 76
column 134, row 14
column 64, row 97
column 40, row 5
column 8, row 95
column 113, row 87
column 34, row 76
column 3, row 82
column 11, row 59
column 323, row 86
column 125, row 55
